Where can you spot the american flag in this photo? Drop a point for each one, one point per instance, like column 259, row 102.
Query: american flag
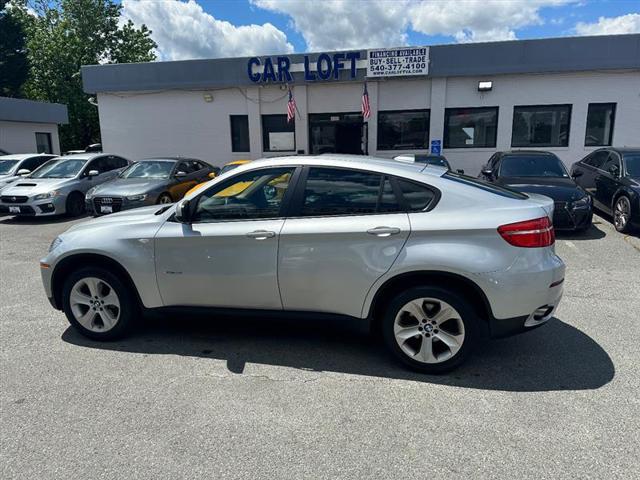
column 291, row 108
column 366, row 107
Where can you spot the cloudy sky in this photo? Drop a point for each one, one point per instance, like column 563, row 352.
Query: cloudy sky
column 185, row 29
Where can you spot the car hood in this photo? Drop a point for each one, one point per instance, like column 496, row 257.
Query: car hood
column 33, row 186
column 129, row 186
column 136, row 215
column 558, row 188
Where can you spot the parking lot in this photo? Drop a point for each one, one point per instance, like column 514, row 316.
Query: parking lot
column 253, row 398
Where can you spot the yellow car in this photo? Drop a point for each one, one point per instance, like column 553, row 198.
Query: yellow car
column 235, row 189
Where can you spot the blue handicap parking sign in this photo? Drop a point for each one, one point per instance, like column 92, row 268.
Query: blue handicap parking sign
column 436, row 147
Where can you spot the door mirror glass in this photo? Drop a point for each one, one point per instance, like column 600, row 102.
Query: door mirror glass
column 182, row 211
column 487, row 172
column 93, row 173
column 23, row 171
column 181, row 174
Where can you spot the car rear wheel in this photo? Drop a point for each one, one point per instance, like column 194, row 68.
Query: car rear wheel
column 75, row 204
column 98, row 304
column 164, row 198
column 430, row 329
column 622, row 214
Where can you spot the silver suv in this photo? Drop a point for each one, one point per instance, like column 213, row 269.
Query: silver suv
column 432, row 258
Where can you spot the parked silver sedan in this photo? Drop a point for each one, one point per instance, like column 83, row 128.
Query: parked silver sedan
column 147, row 182
column 431, row 258
column 13, row 167
column 59, row 186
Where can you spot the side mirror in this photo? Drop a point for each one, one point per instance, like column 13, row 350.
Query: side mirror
column 577, row 173
column 23, row 171
column 183, row 211
column 460, row 171
column 487, row 172
column 93, row 173
column 181, row 174
column 614, row 170
column 212, row 175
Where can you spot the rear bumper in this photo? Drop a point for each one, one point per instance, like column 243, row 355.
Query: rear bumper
column 500, row 328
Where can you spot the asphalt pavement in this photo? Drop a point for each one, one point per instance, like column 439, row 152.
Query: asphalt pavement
column 214, row 398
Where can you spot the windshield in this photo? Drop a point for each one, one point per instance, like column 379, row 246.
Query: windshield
column 6, row 166
column 149, row 169
column 532, row 166
column 59, row 169
column 633, row 164
column 486, row 186
column 228, row 168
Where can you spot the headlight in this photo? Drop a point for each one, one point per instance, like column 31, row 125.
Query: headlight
column 44, row 196
column 89, row 194
column 584, row 202
column 136, row 198
column 55, row 244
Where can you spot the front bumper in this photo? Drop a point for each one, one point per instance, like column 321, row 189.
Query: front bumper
column 98, row 206
column 566, row 217
column 34, row 208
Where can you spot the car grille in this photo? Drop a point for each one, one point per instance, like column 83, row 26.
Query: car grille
column 562, row 218
column 114, row 202
column 14, row 199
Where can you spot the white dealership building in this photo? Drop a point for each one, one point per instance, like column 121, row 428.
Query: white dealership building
column 565, row 95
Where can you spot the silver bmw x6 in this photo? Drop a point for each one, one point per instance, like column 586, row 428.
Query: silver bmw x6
column 433, row 259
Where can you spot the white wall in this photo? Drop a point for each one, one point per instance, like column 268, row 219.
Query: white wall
column 183, row 123
column 20, row 137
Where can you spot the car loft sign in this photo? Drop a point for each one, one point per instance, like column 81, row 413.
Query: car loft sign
column 324, row 66
column 398, row 61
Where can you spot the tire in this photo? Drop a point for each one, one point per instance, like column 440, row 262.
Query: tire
column 459, row 327
column 164, row 198
column 74, row 205
column 622, row 214
column 90, row 290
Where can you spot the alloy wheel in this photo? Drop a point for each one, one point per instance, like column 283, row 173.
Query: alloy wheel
column 95, row 304
column 621, row 213
column 164, row 199
column 429, row 330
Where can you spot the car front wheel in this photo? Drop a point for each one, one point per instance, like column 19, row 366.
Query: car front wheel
column 430, row 329
column 98, row 304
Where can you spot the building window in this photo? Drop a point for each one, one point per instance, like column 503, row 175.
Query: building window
column 43, row 142
column 470, row 127
column 600, row 118
column 239, row 133
column 406, row 130
column 541, row 126
column 278, row 135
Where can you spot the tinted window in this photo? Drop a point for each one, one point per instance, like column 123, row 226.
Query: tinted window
column 32, row 163
column 470, row 127
column 7, row 165
column 59, row 169
column 600, row 117
column 612, row 161
column 597, row 159
column 251, row 195
column 541, row 126
column 101, row 164
column 239, row 133
column 187, row 167
column 418, row 197
column 482, row 185
column 403, row 130
column 278, row 135
column 119, row 162
column 148, row 169
column 229, row 167
column 632, row 162
column 388, row 200
column 532, row 166
column 330, row 191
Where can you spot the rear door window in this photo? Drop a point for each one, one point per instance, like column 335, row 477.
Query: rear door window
column 598, row 159
column 417, row 197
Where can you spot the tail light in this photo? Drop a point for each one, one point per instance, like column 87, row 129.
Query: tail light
column 530, row 233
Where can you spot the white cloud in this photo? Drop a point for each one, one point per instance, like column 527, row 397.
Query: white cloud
column 629, row 23
column 183, row 30
column 344, row 24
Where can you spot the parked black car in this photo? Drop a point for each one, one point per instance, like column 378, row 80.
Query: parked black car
column 612, row 178
column 532, row 171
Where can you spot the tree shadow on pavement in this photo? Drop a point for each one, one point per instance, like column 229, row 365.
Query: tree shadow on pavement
column 556, row 356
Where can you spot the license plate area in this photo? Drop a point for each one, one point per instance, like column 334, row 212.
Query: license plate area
column 14, row 209
column 106, row 209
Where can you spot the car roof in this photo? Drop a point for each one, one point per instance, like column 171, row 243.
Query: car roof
column 82, row 156
column 625, row 149
column 526, row 152
column 22, row 156
column 163, row 159
column 380, row 164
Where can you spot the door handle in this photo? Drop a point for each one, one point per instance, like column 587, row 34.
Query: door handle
column 383, row 231
column 261, row 234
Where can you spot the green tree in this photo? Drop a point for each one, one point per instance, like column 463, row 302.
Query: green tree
column 13, row 53
column 62, row 36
